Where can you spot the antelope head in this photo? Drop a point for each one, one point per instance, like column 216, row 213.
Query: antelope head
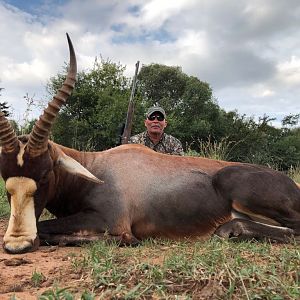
column 27, row 167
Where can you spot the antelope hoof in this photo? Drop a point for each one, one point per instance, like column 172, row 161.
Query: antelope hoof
column 18, row 246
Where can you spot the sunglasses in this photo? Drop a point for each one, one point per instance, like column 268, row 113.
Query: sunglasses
column 158, row 117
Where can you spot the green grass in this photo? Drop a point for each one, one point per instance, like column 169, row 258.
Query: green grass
column 57, row 294
column 4, row 206
column 213, row 269
column 37, row 278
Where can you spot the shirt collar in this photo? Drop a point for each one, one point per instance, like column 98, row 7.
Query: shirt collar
column 161, row 138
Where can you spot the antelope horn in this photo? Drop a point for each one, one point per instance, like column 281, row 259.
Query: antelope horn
column 38, row 139
column 8, row 138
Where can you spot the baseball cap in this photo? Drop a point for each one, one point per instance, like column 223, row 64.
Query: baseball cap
column 153, row 109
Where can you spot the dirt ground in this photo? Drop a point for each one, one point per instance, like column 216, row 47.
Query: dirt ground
column 54, row 263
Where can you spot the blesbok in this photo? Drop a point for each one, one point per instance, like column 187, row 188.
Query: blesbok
column 143, row 193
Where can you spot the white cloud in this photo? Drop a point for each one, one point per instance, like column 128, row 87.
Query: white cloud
column 248, row 51
column 154, row 13
column 262, row 91
column 289, row 71
column 193, row 42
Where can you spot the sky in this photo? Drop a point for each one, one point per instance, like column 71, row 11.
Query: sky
column 248, row 51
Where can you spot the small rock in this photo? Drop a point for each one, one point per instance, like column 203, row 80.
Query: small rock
column 50, row 249
column 13, row 262
column 14, row 288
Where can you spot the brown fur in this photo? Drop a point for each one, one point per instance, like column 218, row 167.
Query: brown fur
column 148, row 194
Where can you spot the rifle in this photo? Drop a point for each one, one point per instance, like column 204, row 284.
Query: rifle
column 128, row 125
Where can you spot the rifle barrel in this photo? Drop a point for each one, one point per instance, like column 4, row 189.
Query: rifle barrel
column 128, row 124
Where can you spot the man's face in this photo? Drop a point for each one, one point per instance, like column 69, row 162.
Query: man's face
column 156, row 123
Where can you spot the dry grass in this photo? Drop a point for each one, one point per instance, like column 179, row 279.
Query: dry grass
column 294, row 173
column 212, row 149
column 215, row 269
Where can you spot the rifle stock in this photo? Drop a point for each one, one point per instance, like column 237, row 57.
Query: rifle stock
column 128, row 124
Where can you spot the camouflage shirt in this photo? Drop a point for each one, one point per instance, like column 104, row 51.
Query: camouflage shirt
column 168, row 144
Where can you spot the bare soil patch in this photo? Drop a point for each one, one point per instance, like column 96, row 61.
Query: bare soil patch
column 52, row 266
column 157, row 269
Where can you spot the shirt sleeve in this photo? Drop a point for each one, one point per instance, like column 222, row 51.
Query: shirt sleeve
column 178, row 150
column 175, row 146
column 136, row 139
column 132, row 140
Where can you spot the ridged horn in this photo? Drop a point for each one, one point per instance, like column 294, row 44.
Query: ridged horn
column 8, row 138
column 38, row 139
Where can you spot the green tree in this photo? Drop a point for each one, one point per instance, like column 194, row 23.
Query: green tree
column 4, row 107
column 162, row 85
column 96, row 108
column 188, row 101
column 194, row 116
column 290, row 120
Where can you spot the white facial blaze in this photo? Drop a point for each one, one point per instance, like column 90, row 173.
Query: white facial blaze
column 21, row 231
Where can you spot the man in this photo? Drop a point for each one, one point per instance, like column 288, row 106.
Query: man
column 155, row 137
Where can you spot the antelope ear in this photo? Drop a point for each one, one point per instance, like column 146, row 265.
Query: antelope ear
column 74, row 167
